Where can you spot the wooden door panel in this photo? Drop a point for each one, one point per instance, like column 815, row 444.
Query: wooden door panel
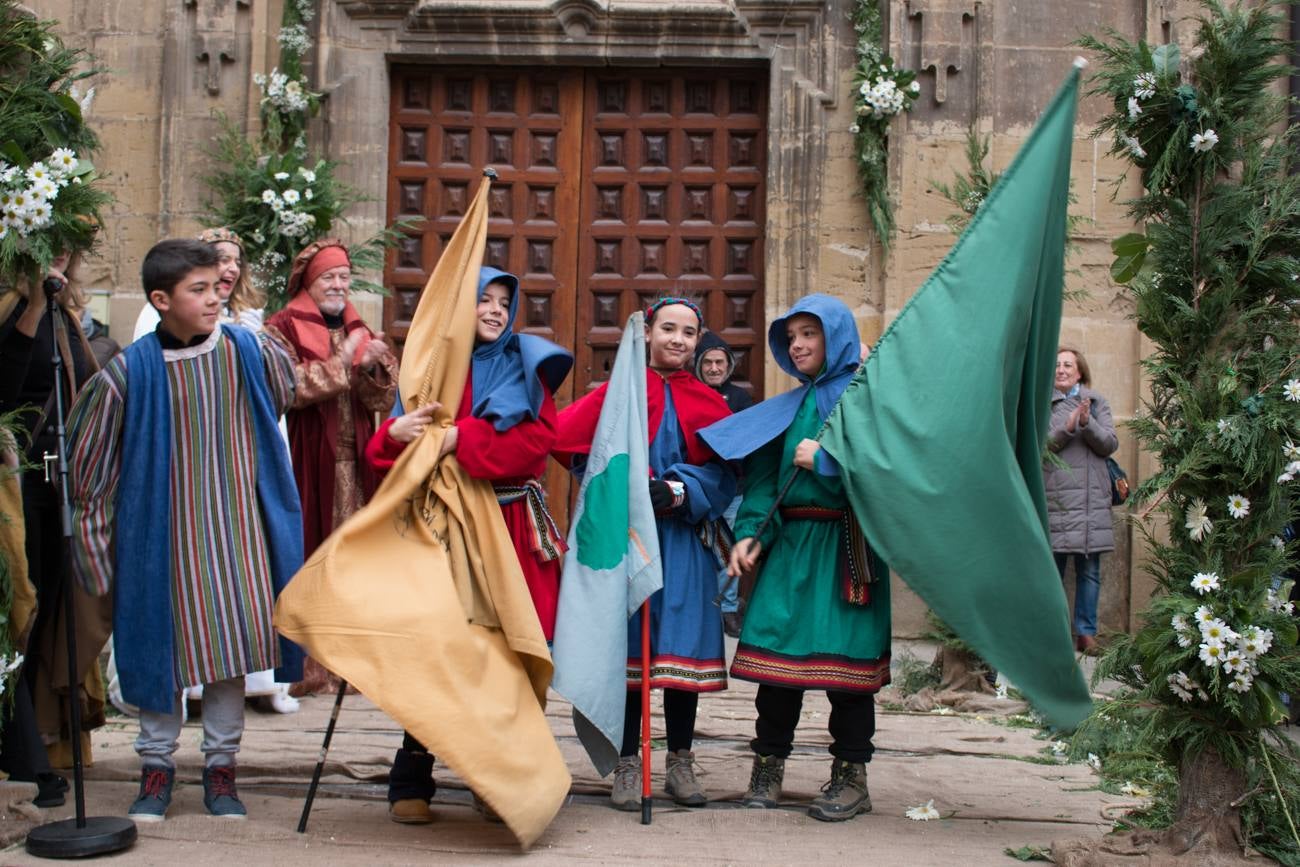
column 672, row 200
column 446, row 126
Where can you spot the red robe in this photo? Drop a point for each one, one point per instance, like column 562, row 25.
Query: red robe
column 697, row 406
column 509, row 457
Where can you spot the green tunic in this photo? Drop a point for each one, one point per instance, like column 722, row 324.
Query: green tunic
column 799, row 631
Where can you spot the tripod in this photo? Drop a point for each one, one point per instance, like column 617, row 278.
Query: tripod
column 82, row 836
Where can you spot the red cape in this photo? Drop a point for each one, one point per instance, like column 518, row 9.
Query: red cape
column 697, row 405
column 314, row 429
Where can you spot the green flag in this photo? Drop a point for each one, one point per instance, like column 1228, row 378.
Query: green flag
column 940, row 435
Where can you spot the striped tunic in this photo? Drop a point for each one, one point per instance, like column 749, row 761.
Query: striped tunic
column 219, row 574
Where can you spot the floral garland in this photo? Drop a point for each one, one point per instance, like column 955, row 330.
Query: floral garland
column 881, row 90
column 270, row 190
column 49, row 200
column 1213, row 275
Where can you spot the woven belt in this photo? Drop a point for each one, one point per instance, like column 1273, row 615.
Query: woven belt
column 857, row 571
column 545, row 540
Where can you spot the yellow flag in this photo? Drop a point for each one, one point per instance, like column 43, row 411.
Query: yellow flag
column 419, row 601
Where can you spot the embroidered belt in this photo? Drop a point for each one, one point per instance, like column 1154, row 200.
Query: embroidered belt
column 545, row 539
column 856, row 567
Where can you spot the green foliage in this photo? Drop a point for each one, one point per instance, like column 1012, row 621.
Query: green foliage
column 1214, row 278
column 912, row 674
column 49, row 203
column 1030, row 853
column 881, row 90
column 271, row 190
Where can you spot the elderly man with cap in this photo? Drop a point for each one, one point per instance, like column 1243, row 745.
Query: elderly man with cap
column 344, row 373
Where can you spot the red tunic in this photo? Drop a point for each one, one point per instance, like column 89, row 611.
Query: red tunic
column 509, row 457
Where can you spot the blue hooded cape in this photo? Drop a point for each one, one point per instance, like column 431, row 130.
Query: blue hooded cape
column 744, row 433
column 507, row 374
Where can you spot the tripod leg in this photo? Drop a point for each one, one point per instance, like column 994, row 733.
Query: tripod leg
column 320, row 760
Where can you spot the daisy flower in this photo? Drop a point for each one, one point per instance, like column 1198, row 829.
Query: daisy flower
column 1144, row 86
column 1134, row 146
column 1203, row 614
column 1135, row 790
column 1212, row 652
column 1291, row 451
column 1224, row 425
column 1204, row 141
column 923, row 813
column 1234, row 661
column 268, row 196
column 1184, row 640
column 281, row 176
column 63, row 160
column 307, row 175
column 38, row 172
column 1238, row 506
column 291, row 197
column 1254, row 641
column 1291, row 390
column 1094, row 762
column 1198, row 522
column 1241, row 682
column 1179, row 623
column 1203, row 583
column 1134, row 108
column 1218, row 629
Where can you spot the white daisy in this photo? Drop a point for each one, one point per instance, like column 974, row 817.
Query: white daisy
column 1224, row 425
column 1238, row 506
column 854, row 128
column 1292, row 390
column 291, row 197
column 281, row 176
column 1284, row 478
column 1218, row 629
column 923, row 813
column 1205, row 141
column 268, row 196
column 1241, row 682
column 1203, row 614
column 1179, row 691
column 1234, row 661
column 1179, row 623
column 38, row 172
column 1134, row 108
column 1185, row 640
column 63, row 160
column 1094, row 762
column 1291, row 451
column 1204, row 582
column 1212, row 652
column 1198, row 522
column 1144, row 86
column 1254, row 641
column 1134, row 146
column 307, row 174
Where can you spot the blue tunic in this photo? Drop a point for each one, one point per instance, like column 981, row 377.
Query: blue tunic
column 686, row 650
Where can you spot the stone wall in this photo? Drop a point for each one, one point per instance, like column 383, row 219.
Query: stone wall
column 991, row 64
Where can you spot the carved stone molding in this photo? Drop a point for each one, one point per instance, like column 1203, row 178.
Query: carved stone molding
column 944, row 37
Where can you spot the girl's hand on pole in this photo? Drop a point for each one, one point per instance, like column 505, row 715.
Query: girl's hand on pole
column 744, row 556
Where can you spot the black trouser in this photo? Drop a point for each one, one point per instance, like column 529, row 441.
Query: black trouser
column 412, row 772
column 852, row 724
column 679, row 718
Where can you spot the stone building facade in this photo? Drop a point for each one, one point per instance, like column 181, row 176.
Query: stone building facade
column 646, row 145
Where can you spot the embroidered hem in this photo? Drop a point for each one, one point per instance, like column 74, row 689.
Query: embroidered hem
column 814, row 671
column 679, row 672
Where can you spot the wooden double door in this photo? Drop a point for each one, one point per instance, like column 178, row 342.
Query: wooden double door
column 615, row 187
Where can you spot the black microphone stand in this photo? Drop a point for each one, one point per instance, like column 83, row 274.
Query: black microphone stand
column 98, row 835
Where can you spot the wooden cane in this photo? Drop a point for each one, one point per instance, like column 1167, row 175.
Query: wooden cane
column 320, row 759
column 646, row 800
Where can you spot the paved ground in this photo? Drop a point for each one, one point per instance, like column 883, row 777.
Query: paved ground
column 987, row 779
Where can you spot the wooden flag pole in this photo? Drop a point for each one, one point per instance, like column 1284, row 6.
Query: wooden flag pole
column 646, row 800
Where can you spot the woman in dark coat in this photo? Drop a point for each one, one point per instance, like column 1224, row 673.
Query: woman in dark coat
column 1078, row 494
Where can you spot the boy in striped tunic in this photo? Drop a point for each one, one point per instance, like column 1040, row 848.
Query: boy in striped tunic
column 186, row 510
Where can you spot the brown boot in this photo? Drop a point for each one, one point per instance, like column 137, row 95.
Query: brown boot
column 681, row 783
column 765, row 782
column 845, row 795
column 410, row 811
column 626, row 793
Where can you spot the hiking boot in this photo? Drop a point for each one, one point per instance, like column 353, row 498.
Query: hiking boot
column 845, row 795
column 219, row 794
column 155, row 795
column 681, row 783
column 410, row 811
column 765, row 782
column 626, row 794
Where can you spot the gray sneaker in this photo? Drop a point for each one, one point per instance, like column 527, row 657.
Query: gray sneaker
column 155, row 795
column 844, row 795
column 681, row 783
column 626, row 794
column 765, row 782
column 220, row 795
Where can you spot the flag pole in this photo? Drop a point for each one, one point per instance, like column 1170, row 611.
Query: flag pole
column 646, row 800
column 758, row 534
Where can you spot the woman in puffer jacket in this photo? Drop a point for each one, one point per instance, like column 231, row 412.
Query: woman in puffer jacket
column 1078, row 494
